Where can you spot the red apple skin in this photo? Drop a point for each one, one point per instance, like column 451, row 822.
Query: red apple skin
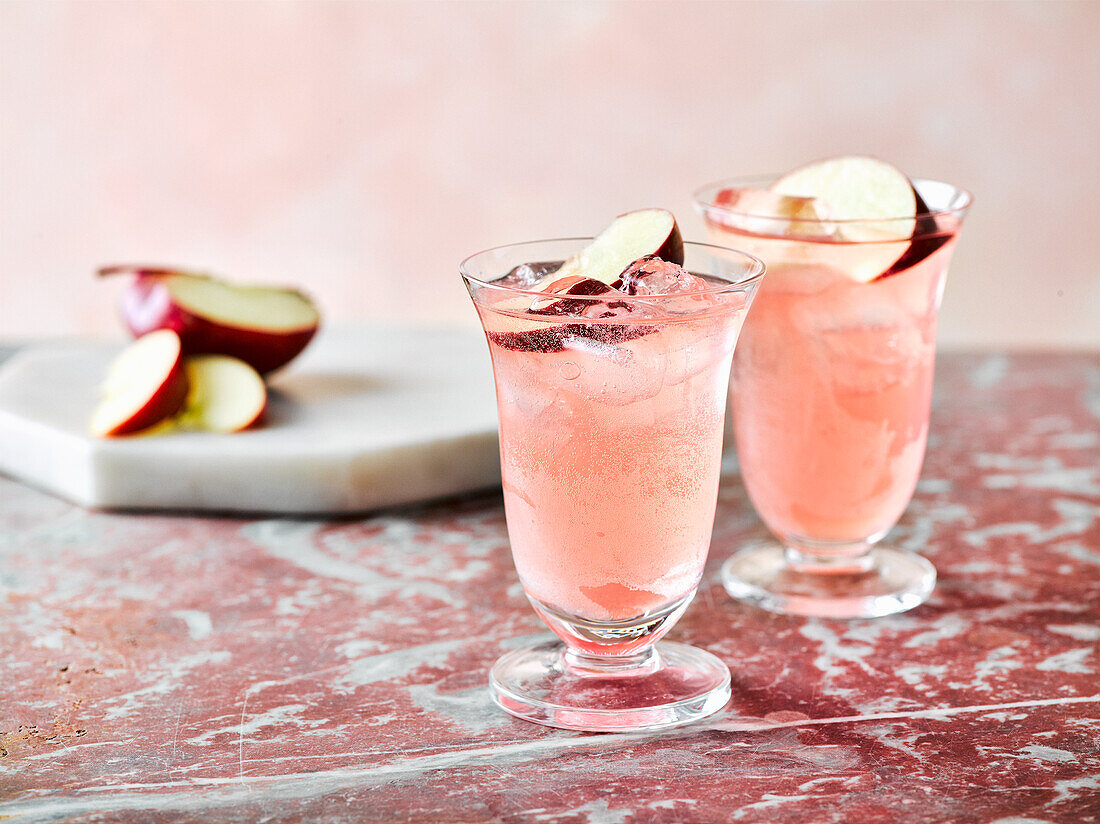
column 672, row 249
column 258, row 421
column 927, row 239
column 165, row 402
column 148, row 305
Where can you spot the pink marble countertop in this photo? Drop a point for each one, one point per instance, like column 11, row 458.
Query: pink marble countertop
column 168, row 668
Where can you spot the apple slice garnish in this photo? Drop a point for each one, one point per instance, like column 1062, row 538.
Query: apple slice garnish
column 870, row 201
column 591, row 273
column 530, row 334
column 768, row 213
column 227, row 395
column 630, row 236
column 145, row 384
column 264, row 326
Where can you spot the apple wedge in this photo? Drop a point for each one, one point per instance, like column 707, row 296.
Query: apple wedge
column 227, row 395
column 630, row 236
column 591, row 273
column 870, row 202
column 768, row 213
column 264, row 326
column 145, row 385
column 527, row 328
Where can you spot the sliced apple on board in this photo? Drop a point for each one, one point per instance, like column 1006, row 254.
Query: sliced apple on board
column 226, row 394
column 264, row 326
column 869, row 202
column 146, row 384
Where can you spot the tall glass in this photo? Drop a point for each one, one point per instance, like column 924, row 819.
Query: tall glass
column 831, row 390
column 611, row 411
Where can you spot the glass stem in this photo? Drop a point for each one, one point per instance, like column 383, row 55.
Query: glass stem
column 610, row 666
column 853, row 559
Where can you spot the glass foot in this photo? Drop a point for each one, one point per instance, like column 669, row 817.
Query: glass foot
column 887, row 581
column 665, row 686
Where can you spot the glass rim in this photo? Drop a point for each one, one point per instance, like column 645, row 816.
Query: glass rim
column 757, row 265
column 703, row 203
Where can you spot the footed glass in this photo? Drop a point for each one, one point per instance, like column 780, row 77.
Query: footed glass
column 831, row 389
column 611, row 410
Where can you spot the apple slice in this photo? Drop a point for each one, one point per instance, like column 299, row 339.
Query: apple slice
column 264, row 326
column 871, row 202
column 527, row 330
column 593, row 272
column 768, row 213
column 859, row 189
column 145, row 384
column 630, row 236
column 227, row 395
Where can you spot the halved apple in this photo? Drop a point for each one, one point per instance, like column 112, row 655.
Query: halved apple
column 264, row 326
column 870, row 201
column 227, row 395
column 630, row 236
column 145, row 384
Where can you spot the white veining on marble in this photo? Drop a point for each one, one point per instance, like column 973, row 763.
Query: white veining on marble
column 398, row 663
column 181, row 795
column 1041, row 753
column 989, row 372
column 172, row 679
column 287, row 714
column 1069, row 661
column 199, row 625
column 1082, row 632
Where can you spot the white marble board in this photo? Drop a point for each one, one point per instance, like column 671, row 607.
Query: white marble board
column 364, row 418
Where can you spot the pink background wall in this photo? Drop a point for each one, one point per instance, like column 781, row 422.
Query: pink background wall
column 361, row 150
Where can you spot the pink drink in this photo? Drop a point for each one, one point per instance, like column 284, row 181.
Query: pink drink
column 611, row 389
column 832, row 387
column 610, row 453
column 832, row 380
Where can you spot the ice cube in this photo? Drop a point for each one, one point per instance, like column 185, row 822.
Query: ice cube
column 527, row 275
column 652, row 276
column 597, row 348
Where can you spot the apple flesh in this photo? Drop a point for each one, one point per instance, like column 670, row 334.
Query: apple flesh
column 146, row 384
column 226, row 395
column 857, row 189
column 630, row 236
column 264, row 326
column 572, row 289
column 870, row 202
column 768, row 213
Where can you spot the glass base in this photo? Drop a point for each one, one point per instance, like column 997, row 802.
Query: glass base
column 664, row 686
column 883, row 582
